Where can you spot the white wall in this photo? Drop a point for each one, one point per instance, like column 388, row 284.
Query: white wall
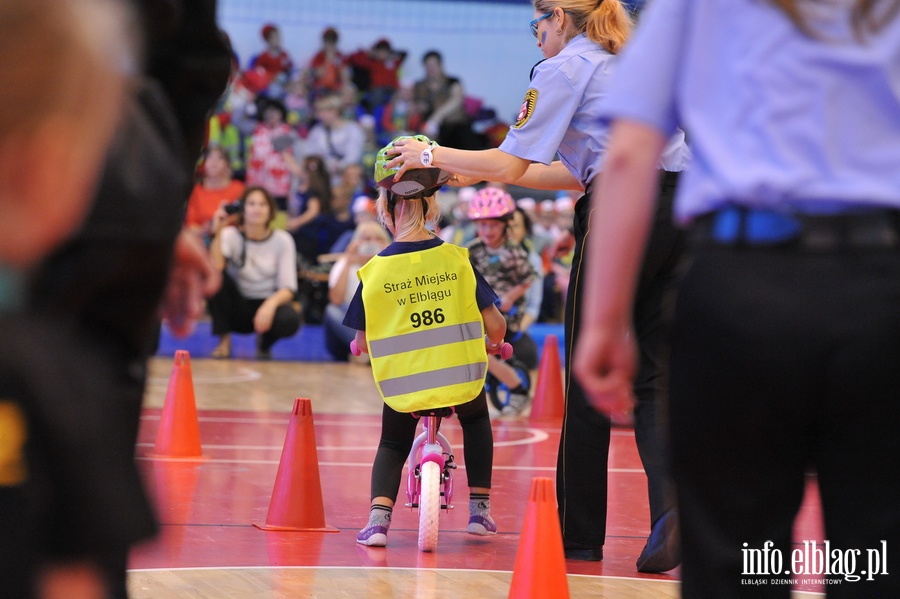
column 488, row 46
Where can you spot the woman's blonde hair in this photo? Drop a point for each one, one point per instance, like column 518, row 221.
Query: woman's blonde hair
column 606, row 22
column 371, row 227
column 409, row 215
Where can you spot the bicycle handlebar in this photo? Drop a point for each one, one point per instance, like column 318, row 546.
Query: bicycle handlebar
column 504, row 350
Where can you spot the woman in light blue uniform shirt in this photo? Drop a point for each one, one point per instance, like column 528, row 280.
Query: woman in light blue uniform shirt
column 786, row 334
column 579, row 39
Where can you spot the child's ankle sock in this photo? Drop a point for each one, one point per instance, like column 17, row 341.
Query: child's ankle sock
column 480, row 521
column 375, row 532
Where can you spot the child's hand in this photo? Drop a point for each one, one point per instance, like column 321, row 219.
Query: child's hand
column 501, row 348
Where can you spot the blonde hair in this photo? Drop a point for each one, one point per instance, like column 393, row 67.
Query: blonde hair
column 371, row 227
column 606, row 22
column 408, row 214
column 57, row 55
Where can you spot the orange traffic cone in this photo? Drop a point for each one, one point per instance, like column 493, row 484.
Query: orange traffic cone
column 296, row 502
column 540, row 569
column 178, row 436
column 548, row 392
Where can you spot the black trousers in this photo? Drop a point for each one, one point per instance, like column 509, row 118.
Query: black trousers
column 784, row 362
column 398, row 431
column 581, row 475
column 233, row 313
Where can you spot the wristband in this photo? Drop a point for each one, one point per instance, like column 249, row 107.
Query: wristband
column 427, row 157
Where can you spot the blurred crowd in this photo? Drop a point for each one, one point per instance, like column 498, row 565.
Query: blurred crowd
column 307, row 133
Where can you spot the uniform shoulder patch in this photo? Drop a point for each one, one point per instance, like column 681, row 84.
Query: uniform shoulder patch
column 527, row 108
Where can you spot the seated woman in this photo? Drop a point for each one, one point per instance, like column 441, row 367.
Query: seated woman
column 369, row 238
column 216, row 189
column 259, row 279
column 309, row 204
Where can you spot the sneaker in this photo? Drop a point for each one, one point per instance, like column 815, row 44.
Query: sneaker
column 373, row 536
column 481, row 525
column 517, row 404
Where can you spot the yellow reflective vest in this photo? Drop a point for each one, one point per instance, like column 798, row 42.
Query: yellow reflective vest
column 424, row 329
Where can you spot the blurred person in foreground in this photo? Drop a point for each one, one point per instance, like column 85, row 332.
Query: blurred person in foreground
column 786, row 324
column 67, row 494
column 131, row 263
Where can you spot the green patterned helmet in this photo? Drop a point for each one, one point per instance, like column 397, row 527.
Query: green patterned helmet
column 414, row 183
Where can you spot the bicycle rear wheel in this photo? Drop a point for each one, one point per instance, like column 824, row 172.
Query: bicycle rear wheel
column 429, row 505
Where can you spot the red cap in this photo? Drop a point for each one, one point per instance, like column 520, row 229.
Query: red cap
column 267, row 30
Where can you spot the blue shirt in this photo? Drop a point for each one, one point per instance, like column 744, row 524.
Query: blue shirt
column 775, row 117
column 355, row 318
column 560, row 111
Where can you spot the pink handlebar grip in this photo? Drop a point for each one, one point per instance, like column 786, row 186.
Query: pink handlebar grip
column 354, row 348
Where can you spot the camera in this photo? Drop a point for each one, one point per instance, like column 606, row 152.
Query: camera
column 235, row 207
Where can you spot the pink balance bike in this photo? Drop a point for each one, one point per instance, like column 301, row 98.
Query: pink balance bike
column 429, row 485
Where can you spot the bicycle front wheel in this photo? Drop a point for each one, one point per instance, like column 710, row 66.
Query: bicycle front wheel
column 429, row 506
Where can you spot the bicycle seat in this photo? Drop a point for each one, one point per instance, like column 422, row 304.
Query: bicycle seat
column 439, row 412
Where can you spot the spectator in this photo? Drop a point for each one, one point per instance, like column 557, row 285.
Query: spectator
column 271, row 138
column 363, row 209
column 340, row 219
column 520, row 231
column 206, row 210
column 309, row 203
column 460, row 230
column 338, row 140
column 378, row 74
column 259, row 266
column 328, row 70
column 402, row 115
column 441, row 98
column 299, row 108
column 225, row 134
column 274, row 60
column 368, row 239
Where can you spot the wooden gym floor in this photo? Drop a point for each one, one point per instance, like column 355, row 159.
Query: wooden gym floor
column 209, row 548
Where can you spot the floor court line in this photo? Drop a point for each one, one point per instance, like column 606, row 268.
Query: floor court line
column 208, row 505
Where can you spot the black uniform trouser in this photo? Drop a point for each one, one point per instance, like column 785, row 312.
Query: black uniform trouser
column 785, row 362
column 398, row 431
column 232, row 312
column 581, row 476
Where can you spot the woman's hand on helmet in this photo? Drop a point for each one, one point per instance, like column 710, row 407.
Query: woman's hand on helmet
column 407, row 155
column 463, row 181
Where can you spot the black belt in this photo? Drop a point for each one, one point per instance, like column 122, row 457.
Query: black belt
column 734, row 226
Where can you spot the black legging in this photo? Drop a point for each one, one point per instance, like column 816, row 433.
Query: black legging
column 398, row 431
column 232, row 312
